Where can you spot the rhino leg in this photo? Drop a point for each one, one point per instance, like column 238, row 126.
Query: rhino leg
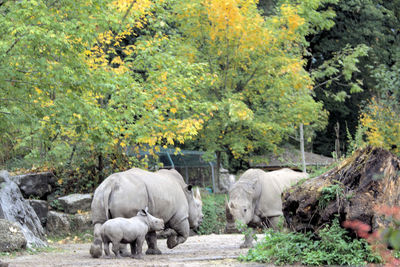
column 151, row 239
column 273, row 222
column 248, row 239
column 96, row 247
column 182, row 231
column 139, row 244
column 106, row 249
column 116, row 249
column 124, row 251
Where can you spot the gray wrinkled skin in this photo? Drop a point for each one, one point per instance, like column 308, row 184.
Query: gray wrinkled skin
column 131, row 231
column 165, row 194
column 255, row 199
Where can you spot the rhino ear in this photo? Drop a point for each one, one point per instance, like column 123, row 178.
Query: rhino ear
column 143, row 212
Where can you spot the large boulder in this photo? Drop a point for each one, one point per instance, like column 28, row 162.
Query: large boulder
column 14, row 208
column 59, row 223
column 11, row 236
column 37, row 185
column 81, row 222
column 41, row 208
column 74, row 202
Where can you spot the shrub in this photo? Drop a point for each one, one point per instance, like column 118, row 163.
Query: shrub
column 384, row 237
column 331, row 247
column 214, row 214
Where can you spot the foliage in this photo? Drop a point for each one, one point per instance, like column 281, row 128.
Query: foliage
column 341, row 67
column 369, row 23
column 331, row 247
column 245, row 230
column 259, row 90
column 383, row 237
column 68, row 102
column 379, row 120
column 330, row 193
column 214, row 214
column 379, row 123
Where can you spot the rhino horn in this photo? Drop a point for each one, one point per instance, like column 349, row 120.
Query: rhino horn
column 197, row 194
column 229, row 216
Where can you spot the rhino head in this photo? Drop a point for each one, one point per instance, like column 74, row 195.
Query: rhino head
column 240, row 207
column 155, row 224
column 238, row 211
column 195, row 207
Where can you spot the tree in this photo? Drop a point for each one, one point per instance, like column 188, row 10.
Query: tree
column 260, row 91
column 372, row 23
column 380, row 120
column 68, row 99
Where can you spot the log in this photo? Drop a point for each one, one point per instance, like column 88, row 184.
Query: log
column 350, row 191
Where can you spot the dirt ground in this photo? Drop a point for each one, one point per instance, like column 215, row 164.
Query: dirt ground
column 206, row 250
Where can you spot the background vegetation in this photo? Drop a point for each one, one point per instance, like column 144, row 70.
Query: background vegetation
column 214, row 214
column 86, row 86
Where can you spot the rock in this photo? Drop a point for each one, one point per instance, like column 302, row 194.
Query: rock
column 35, row 184
column 11, row 236
column 74, row 202
column 81, row 222
column 41, row 208
column 226, row 180
column 57, row 223
column 14, row 208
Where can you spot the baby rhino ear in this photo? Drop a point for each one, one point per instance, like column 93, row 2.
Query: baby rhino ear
column 143, row 212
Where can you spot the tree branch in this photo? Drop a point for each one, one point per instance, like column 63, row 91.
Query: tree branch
column 333, row 79
column 127, row 12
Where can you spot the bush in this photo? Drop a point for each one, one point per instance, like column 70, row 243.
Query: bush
column 332, row 247
column 214, row 214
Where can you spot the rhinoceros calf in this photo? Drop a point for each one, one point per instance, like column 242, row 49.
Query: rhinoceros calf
column 129, row 231
column 255, row 199
column 164, row 192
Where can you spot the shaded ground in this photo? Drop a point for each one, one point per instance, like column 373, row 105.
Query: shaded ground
column 206, row 250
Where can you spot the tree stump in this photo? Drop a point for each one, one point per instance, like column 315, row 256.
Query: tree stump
column 351, row 191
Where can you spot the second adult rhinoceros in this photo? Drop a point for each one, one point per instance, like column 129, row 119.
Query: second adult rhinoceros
column 165, row 194
column 255, row 199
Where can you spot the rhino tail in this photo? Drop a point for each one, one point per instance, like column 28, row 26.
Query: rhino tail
column 106, row 200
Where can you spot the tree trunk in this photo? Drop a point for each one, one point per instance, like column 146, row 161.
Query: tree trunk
column 352, row 191
column 218, row 153
column 303, row 157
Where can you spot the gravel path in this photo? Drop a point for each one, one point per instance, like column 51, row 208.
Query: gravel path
column 206, row 250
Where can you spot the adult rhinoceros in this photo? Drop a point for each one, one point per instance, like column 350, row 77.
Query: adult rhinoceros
column 165, row 194
column 255, row 199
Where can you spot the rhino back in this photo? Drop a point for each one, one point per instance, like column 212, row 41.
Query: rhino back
column 272, row 185
column 135, row 189
column 246, row 188
column 166, row 199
